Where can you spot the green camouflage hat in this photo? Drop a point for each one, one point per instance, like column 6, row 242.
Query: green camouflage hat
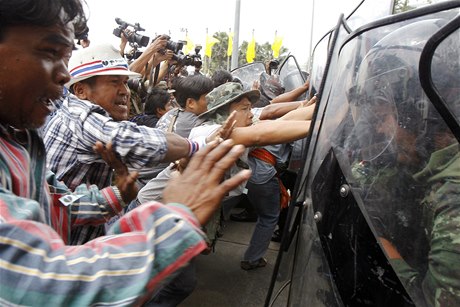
column 227, row 93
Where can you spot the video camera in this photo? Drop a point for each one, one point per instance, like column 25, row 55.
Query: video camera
column 133, row 38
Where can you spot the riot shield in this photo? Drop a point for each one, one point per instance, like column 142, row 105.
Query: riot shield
column 368, row 210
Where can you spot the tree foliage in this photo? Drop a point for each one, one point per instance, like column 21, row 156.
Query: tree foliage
column 219, row 59
column 405, row 5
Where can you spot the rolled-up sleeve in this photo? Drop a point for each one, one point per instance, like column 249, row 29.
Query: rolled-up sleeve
column 143, row 249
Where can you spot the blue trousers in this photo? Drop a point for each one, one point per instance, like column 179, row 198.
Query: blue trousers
column 266, row 201
column 177, row 290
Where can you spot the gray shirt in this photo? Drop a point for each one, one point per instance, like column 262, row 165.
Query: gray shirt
column 183, row 124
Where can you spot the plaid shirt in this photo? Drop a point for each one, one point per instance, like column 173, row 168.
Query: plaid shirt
column 37, row 268
column 69, row 138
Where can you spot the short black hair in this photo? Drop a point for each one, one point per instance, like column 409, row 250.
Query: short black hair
column 43, row 13
column 90, row 81
column 191, row 87
column 157, row 98
column 221, row 76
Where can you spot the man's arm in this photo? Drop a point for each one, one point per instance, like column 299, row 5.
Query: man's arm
column 177, row 152
column 302, row 112
column 292, row 95
column 143, row 248
column 270, row 132
column 136, row 146
column 179, row 147
column 143, row 60
column 164, row 68
column 276, row 110
column 280, row 110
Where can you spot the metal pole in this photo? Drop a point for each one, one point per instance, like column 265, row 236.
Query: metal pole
column 310, row 59
column 228, row 56
column 236, row 35
column 208, row 59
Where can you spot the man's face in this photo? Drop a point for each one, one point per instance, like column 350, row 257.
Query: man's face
column 199, row 106
column 244, row 115
column 33, row 71
column 111, row 93
column 168, row 107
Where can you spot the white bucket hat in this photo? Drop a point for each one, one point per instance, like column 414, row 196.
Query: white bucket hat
column 97, row 60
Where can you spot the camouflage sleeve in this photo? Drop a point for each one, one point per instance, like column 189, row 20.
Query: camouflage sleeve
column 441, row 284
column 410, row 279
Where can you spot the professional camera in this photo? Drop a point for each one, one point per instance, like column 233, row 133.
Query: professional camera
column 189, row 60
column 136, row 84
column 133, row 38
column 133, row 54
column 139, row 86
column 175, row 47
column 273, row 65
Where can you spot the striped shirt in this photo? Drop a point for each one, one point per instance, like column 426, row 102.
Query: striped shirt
column 141, row 251
column 69, row 139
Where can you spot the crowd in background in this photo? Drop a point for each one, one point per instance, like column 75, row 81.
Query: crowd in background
column 122, row 160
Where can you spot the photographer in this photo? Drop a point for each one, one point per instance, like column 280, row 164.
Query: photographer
column 145, row 247
column 127, row 35
column 153, row 55
column 82, row 39
column 156, row 104
column 142, row 62
column 197, row 66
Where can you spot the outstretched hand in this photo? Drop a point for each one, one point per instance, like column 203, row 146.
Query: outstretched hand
column 124, row 180
column 224, row 131
column 306, row 103
column 200, row 186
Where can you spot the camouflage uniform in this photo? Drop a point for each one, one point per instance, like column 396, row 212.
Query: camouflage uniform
column 441, row 206
column 391, row 199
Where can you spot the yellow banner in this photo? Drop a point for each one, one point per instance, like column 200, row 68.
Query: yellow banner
column 230, row 44
column 251, row 52
column 210, row 41
column 276, row 46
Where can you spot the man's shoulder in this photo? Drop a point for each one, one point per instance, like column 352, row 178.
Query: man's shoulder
column 203, row 130
column 187, row 117
column 163, row 122
column 168, row 115
column 73, row 104
column 74, row 101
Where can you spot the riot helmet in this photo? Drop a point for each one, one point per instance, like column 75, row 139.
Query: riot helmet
column 388, row 104
column 270, row 87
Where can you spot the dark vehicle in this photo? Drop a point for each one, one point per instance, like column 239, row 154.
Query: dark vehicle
column 374, row 219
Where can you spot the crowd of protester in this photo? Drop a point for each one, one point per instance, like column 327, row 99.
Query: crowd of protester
column 111, row 168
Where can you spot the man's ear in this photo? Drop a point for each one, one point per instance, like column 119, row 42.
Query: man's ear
column 81, row 90
column 160, row 112
column 190, row 104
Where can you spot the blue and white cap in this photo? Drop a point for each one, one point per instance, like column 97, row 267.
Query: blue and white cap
column 97, row 60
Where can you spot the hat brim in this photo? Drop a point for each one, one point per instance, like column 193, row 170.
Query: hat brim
column 252, row 95
column 130, row 74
